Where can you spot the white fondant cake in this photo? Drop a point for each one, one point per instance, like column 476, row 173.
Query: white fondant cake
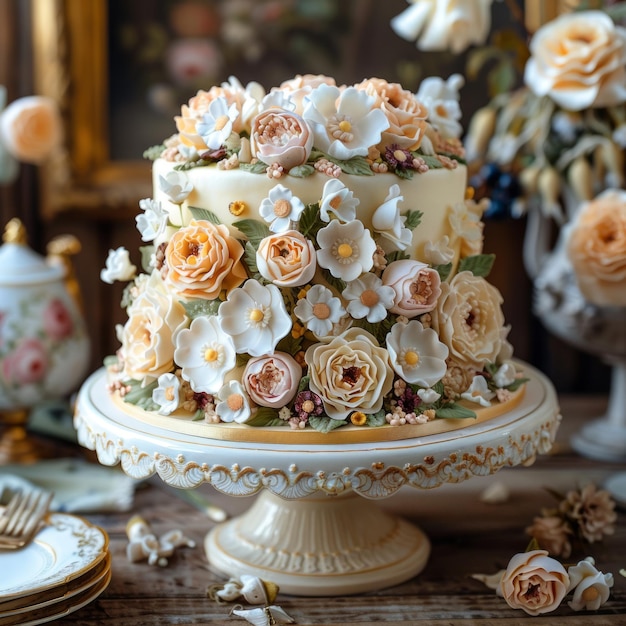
column 313, row 260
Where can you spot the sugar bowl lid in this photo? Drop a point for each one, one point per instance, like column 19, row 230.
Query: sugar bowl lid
column 19, row 265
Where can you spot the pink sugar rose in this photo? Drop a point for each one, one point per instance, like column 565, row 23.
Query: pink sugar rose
column 57, row 320
column 281, row 137
column 272, row 380
column 27, row 364
column 416, row 287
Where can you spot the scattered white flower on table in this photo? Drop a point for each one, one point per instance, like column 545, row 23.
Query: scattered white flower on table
column 153, row 221
column 233, row 405
column 338, row 200
column 444, row 24
column 118, row 266
column 216, row 124
column 416, row 353
column 255, row 317
column 144, row 544
column 496, row 493
column 346, row 250
column 591, row 587
column 345, row 122
column 176, row 186
column 167, row 395
column 319, row 310
column 368, row 297
column 205, row 353
column 505, row 375
column 441, row 98
column 388, row 222
column 479, row 392
column 428, row 396
column 281, row 208
column 438, row 252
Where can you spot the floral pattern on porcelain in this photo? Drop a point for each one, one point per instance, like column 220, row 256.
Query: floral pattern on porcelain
column 43, row 347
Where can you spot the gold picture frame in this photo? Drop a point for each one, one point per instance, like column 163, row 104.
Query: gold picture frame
column 70, row 64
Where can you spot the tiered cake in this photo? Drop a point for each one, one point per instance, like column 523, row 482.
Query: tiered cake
column 313, row 268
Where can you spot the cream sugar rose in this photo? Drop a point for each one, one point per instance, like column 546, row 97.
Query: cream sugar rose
column 313, row 261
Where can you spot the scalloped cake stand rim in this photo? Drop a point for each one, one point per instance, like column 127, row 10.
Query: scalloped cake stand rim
column 294, row 535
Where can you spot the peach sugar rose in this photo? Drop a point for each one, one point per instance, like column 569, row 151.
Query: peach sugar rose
column 579, row 60
column 287, row 259
column 597, row 248
column 534, row 582
column 203, row 259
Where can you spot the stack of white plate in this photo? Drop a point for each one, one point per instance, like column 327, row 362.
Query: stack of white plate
column 65, row 567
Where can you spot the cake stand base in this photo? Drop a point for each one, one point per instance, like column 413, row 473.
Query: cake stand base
column 319, row 546
column 601, row 440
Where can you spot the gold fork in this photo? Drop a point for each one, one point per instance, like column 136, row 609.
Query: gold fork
column 21, row 519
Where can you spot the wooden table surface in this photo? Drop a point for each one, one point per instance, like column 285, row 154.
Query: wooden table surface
column 467, row 535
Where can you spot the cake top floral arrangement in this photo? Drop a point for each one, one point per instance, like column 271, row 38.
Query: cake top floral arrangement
column 308, row 314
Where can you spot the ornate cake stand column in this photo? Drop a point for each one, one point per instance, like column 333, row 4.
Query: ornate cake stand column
column 320, row 545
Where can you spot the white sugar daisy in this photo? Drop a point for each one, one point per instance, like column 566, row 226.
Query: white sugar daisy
column 256, row 318
column 167, row 394
column 205, row 353
column 416, row 353
column 281, row 208
column 233, row 405
column 320, row 310
column 346, row 250
column 345, row 122
column 338, row 200
column 217, row 123
column 368, row 297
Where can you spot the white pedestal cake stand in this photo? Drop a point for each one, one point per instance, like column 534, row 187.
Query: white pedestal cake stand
column 295, row 534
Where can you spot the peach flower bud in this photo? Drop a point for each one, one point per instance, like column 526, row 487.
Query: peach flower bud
column 30, row 128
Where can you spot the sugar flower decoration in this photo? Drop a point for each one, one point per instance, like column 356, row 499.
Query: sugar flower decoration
column 167, row 394
column 206, row 354
column 441, row 98
column 479, row 392
column 346, row 250
column 350, row 373
column 444, row 24
column 217, row 123
column 152, row 223
column 534, row 582
column 591, row 587
column 416, row 353
column 319, row 310
column 579, row 61
column 438, row 252
column 118, row 266
column 176, row 186
column 281, row 208
column 272, row 380
column 388, row 222
column 255, row 317
column 339, row 201
column 428, row 396
column 233, row 404
column 505, row 375
column 368, row 297
column 345, row 123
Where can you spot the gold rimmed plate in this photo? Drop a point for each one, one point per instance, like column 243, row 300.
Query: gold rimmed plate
column 66, row 548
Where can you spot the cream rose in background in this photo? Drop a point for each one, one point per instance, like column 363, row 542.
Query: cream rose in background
column 597, row 248
column 579, row 61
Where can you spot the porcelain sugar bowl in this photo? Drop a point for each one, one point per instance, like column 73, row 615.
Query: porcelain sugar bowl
column 44, row 346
